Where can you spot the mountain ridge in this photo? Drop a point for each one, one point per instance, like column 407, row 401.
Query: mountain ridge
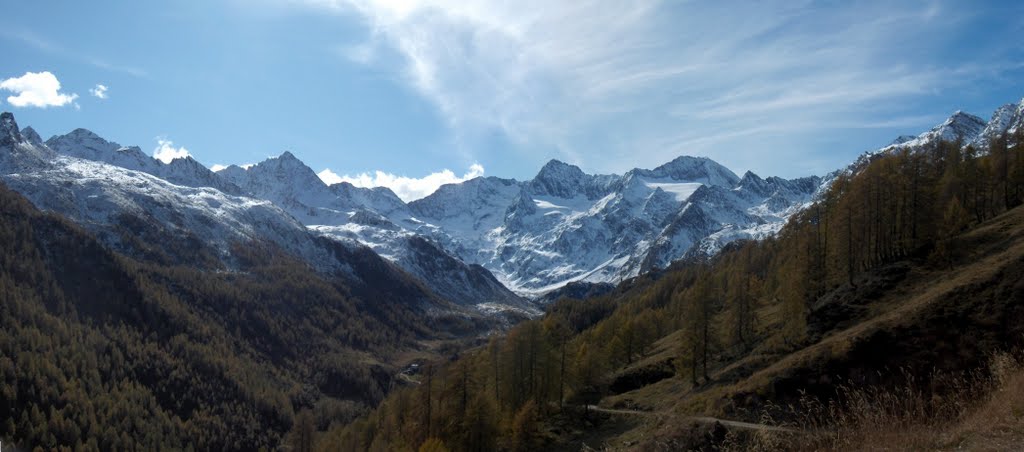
column 533, row 236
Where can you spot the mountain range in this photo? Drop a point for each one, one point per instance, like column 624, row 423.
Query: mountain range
column 488, row 244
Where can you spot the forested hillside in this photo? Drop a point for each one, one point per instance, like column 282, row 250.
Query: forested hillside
column 102, row 352
column 909, row 264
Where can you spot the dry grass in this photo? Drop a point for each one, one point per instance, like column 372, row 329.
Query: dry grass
column 981, row 410
column 998, row 424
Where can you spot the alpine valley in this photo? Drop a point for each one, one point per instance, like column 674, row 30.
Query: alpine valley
column 151, row 305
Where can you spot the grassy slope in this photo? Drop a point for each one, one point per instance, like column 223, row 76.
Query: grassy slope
column 944, row 319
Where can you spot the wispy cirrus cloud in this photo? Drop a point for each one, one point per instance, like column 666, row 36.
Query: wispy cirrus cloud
column 656, row 76
column 43, row 44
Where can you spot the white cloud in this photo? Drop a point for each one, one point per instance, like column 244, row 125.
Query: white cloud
column 166, row 152
column 407, row 188
column 36, row 89
column 217, row 167
column 100, row 91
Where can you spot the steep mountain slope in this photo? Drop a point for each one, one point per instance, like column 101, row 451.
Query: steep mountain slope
column 149, row 218
column 99, row 351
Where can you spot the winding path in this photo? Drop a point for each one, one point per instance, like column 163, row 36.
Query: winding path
column 701, row 420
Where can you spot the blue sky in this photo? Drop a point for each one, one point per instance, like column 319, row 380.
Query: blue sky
column 414, row 93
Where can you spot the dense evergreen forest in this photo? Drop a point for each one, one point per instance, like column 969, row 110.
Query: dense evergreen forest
column 755, row 300
column 102, row 352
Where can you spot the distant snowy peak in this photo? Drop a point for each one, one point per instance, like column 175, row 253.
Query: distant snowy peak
column 970, row 130
column 960, row 126
column 234, row 174
column 283, row 167
column 284, row 180
column 695, row 169
column 380, row 199
column 30, row 135
column 283, row 174
column 83, row 143
column 562, row 180
column 289, row 182
column 467, row 198
column 185, row 171
column 1006, row 121
column 755, row 184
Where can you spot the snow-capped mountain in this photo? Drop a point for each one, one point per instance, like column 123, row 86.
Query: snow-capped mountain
column 1007, row 123
column 565, row 226
column 185, row 171
column 561, row 226
column 971, row 130
column 374, row 217
column 111, row 188
column 469, row 242
column 145, row 216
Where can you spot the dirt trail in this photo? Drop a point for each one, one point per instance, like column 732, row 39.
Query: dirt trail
column 700, row 419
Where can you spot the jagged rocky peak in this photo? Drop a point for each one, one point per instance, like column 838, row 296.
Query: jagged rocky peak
column 960, row 125
column 697, row 169
column 288, row 157
column 754, row 183
column 965, row 127
column 285, row 160
column 1002, row 117
column 1002, row 121
column 522, row 205
column 9, row 132
column 285, row 166
column 186, row 163
column 78, row 135
column 29, row 134
column 230, row 170
column 377, row 197
column 559, row 179
column 79, row 140
column 750, row 177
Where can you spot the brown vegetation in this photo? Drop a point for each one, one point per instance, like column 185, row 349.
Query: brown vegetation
column 877, row 276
